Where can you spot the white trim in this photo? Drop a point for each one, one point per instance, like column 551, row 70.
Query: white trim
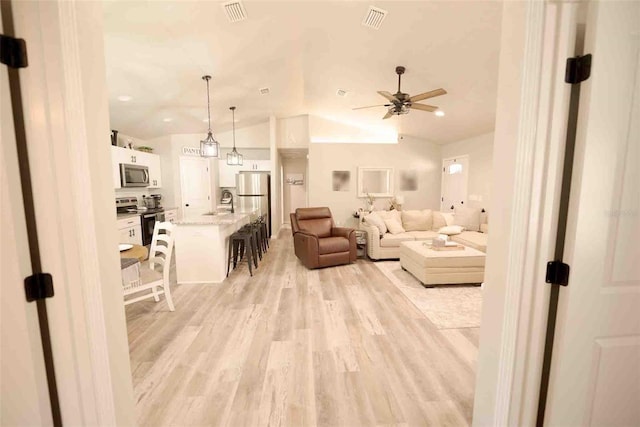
column 550, row 35
column 78, row 155
column 71, row 206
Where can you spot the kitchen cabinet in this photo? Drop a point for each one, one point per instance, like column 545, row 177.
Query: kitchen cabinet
column 171, row 215
column 132, row 157
column 227, row 173
column 130, row 230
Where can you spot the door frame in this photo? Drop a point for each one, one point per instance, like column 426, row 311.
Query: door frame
column 80, row 314
column 67, row 126
column 550, row 37
column 180, row 160
column 464, row 156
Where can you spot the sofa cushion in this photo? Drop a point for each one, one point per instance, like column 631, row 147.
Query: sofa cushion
column 451, row 230
column 472, row 239
column 375, row 219
column 394, row 240
column 423, row 235
column 394, row 225
column 416, row 220
column 467, row 217
column 331, row 245
column 438, row 221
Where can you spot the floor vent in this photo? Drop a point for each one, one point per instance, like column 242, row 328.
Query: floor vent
column 235, row 11
column 264, row 91
column 374, row 17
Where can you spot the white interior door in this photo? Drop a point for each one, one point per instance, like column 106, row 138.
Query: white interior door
column 455, row 175
column 595, row 371
column 195, row 185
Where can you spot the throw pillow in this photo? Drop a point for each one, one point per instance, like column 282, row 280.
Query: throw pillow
column 417, row 220
column 448, row 217
column 375, row 219
column 467, row 217
column 395, row 214
column 451, row 230
column 394, row 225
column 438, row 221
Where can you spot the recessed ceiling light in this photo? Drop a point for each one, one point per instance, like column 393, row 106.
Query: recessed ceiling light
column 167, row 119
column 440, row 113
column 341, row 92
column 264, row 91
column 125, row 98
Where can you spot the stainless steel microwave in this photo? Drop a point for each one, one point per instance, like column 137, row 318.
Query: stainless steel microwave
column 134, row 175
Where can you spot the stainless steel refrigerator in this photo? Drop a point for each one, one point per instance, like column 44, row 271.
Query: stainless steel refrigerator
column 253, row 190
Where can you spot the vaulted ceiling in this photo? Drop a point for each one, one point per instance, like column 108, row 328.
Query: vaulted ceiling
column 303, row 51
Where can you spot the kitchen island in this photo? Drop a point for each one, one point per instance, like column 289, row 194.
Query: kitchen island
column 201, row 244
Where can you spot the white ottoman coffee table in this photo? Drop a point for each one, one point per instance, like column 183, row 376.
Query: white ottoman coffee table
column 433, row 267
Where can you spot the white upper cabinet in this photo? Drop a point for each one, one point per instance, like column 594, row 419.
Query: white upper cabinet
column 132, row 157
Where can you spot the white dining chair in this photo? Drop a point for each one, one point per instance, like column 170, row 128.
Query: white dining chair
column 154, row 273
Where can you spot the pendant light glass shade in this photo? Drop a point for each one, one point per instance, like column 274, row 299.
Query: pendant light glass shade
column 209, row 147
column 234, row 158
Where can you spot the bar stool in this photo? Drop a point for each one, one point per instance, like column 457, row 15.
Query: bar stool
column 264, row 232
column 255, row 232
column 239, row 242
column 254, row 242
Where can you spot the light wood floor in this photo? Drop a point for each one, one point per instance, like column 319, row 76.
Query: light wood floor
column 335, row 347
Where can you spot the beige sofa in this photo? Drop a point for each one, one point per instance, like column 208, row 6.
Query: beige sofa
column 386, row 245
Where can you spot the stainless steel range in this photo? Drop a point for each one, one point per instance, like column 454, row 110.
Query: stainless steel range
column 148, row 216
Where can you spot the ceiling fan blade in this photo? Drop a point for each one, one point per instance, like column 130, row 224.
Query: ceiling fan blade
column 427, row 95
column 388, row 95
column 371, row 106
column 423, row 107
column 389, row 114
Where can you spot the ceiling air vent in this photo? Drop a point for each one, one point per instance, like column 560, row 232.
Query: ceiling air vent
column 264, row 91
column 235, row 11
column 374, row 17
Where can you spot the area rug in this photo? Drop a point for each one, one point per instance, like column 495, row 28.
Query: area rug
column 447, row 307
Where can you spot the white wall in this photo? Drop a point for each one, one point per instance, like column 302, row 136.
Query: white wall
column 254, row 136
column 292, row 132
column 506, row 133
column 409, row 154
column 293, row 196
column 480, row 152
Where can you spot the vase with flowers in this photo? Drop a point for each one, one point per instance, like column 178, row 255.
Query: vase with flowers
column 370, row 201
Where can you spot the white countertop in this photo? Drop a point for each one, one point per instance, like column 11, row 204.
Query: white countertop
column 219, row 219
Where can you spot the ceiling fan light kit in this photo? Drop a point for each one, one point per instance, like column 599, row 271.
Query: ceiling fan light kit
column 209, row 147
column 402, row 103
column 234, row 158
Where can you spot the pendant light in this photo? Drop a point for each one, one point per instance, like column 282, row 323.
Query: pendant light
column 209, row 147
column 234, row 158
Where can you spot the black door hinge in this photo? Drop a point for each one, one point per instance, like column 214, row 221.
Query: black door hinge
column 13, row 52
column 38, row 286
column 557, row 273
column 578, row 69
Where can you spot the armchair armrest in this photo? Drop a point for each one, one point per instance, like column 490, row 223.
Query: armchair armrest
column 342, row 232
column 349, row 234
column 306, row 248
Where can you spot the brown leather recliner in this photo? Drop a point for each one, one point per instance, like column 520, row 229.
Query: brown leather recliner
column 317, row 242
